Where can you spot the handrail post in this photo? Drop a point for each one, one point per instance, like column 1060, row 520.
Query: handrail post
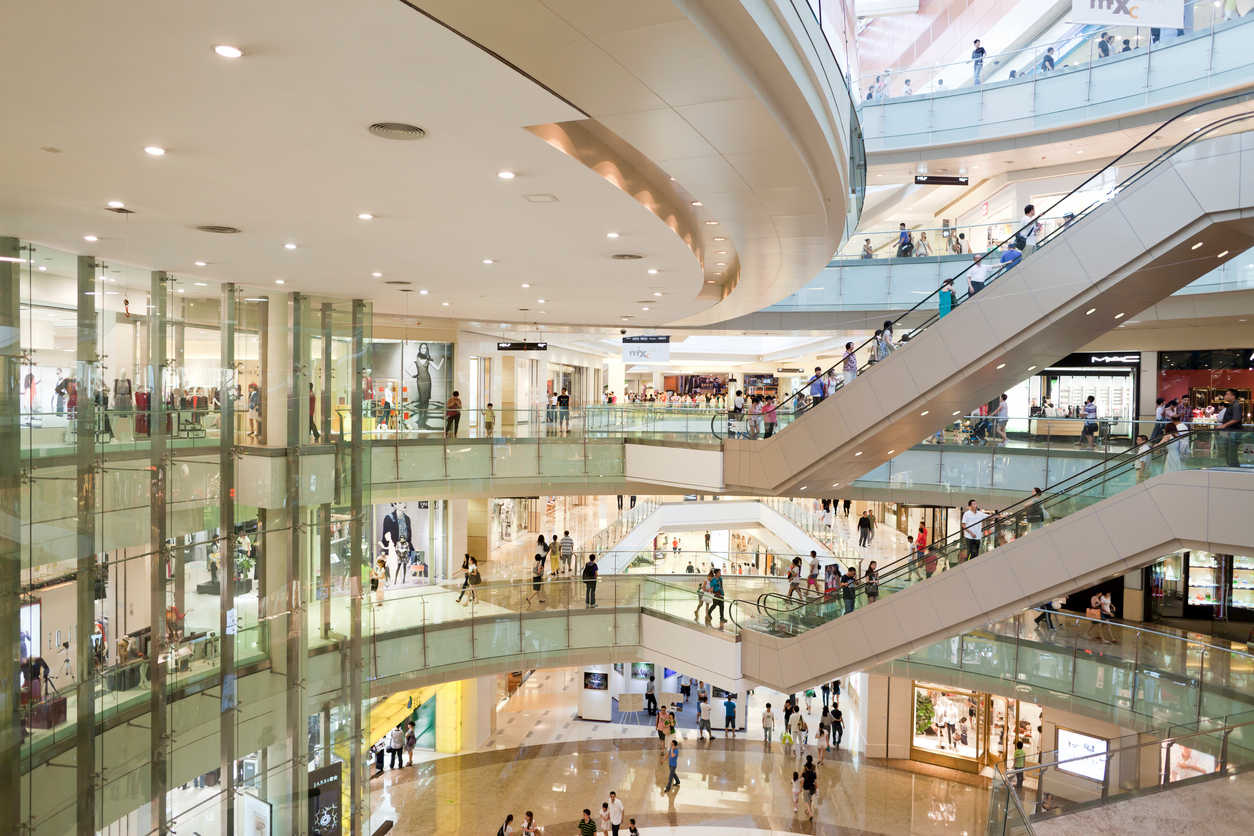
column 1201, row 683
column 1223, row 751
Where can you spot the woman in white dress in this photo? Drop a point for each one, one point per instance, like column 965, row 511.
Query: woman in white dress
column 1177, row 438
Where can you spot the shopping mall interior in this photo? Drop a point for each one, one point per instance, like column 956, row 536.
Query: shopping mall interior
column 511, row 421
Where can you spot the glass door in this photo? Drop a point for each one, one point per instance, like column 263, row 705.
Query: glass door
column 1242, row 597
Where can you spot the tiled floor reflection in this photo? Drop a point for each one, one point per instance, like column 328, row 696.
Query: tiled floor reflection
column 543, row 758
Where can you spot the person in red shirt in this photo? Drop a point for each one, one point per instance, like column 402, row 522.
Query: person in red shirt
column 920, row 547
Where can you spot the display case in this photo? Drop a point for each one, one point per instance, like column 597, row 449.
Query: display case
column 1242, row 599
column 1165, row 587
column 1207, row 592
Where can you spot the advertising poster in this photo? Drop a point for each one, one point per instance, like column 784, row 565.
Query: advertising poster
column 641, row 670
column 401, row 532
column 1184, row 763
column 1073, row 748
column 596, row 681
column 253, row 816
column 325, row 801
column 415, row 378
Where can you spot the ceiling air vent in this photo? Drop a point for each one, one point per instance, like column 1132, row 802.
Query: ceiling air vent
column 120, row 210
column 626, row 256
column 397, row 282
column 219, row 230
column 396, row 130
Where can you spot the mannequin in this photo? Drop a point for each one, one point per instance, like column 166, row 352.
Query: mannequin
column 123, row 405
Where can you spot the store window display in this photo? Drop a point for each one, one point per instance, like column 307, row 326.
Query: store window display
column 414, row 379
column 969, row 730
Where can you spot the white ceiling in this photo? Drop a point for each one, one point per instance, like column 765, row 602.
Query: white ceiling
column 276, row 143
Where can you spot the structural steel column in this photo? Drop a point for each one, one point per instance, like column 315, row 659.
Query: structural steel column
column 158, row 472
column 87, row 778
column 324, row 510
column 297, row 622
column 226, row 552
column 10, row 527
column 356, row 532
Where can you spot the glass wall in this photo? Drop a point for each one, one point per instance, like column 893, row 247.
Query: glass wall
column 185, row 509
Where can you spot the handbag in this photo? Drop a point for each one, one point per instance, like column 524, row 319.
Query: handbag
column 475, row 578
column 1092, row 612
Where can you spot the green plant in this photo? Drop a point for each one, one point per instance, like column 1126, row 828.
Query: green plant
column 924, row 711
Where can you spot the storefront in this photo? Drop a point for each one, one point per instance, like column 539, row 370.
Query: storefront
column 695, row 384
column 1199, row 379
column 1112, row 378
column 1201, row 585
column 761, row 384
column 969, row 730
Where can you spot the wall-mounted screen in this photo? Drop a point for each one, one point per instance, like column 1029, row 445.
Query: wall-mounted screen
column 596, row 681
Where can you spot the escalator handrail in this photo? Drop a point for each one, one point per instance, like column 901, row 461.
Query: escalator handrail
column 792, row 402
column 1099, row 471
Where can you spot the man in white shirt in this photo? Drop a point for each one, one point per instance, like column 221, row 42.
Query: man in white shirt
column 977, row 275
column 704, row 727
column 616, row 813
column 972, row 528
column 1033, row 230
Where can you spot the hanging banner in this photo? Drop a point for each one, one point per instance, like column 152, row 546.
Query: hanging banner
column 325, row 801
column 1162, row 13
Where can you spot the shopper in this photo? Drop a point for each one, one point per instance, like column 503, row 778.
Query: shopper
column 590, row 581
column 650, row 696
column 796, row 789
column 631, row 828
column 659, row 725
column 563, row 411
column 826, row 691
column 703, row 725
column 1031, row 230
column 838, row 725
column 977, row 60
column 973, row 528
column 849, row 588
column 587, row 827
column 977, row 275
column 794, row 579
column 946, row 299
column 566, row 549
column 1228, row 422
column 1047, row 63
column 716, row 599
column 872, row 582
column 537, row 580
column 603, row 818
column 1141, row 461
column 768, row 723
column 1091, row 428
column 824, row 736
column 924, row 248
column 506, row 829
column 867, row 250
column 809, row 787
column 672, row 762
column 864, row 529
column 465, row 573
column 1103, row 45
column 905, row 243
column 729, row 716
column 411, row 741
column 817, row 390
column 1035, row 513
column 1177, row 442
column 489, row 421
column 849, row 365
column 529, row 826
column 1001, row 417
column 616, row 813
column 396, row 745
column 770, row 419
column 920, row 543
column 452, row 414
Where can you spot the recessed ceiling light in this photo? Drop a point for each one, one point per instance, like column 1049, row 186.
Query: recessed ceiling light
column 711, row 223
column 179, row 290
column 201, row 284
column 228, row 51
column 1222, row 254
column 377, row 274
column 657, row 293
column 720, row 264
column 201, row 263
column 526, row 285
column 1196, row 246
column 1119, row 315
column 90, row 238
column 644, row 309
column 43, row 269
column 652, row 271
column 289, row 246
column 423, row 292
column 117, row 204
column 445, row 304
column 709, row 281
column 924, row 412
column 835, row 484
column 1001, row 366
column 365, row 216
column 90, row 293
column 890, row 452
column 859, row 453
column 489, row 261
column 1090, row 311
column 721, row 252
column 611, row 235
column 719, row 238
column 1031, row 368
column 956, row 411
column 279, row 281
column 506, row 174
column 154, row 150
column 697, row 203
column 539, row 301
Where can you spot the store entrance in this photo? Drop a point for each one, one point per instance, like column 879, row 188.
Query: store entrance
column 968, row 730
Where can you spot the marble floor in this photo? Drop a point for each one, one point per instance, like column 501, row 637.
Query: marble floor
column 543, row 758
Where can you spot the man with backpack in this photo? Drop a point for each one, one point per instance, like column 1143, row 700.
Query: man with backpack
column 905, row 243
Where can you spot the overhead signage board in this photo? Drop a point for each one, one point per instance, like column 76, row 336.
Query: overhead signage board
column 647, row 348
column 504, row 346
column 1162, row 13
column 938, row 180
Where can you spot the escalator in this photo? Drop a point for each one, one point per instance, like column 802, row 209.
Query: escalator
column 1116, row 516
column 1103, row 254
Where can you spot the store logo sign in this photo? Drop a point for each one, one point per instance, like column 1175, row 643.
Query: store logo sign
column 1098, row 359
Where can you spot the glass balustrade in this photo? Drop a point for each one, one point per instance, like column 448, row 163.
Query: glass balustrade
column 1093, row 70
column 786, row 616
